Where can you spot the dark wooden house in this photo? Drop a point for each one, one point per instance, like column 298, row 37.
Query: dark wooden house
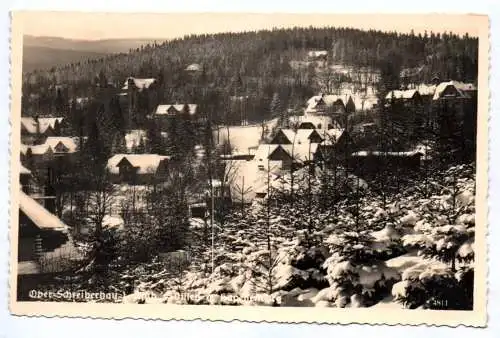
column 138, row 169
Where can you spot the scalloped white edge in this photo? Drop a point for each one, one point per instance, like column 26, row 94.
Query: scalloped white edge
column 475, row 318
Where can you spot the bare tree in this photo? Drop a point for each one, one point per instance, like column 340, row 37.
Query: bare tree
column 100, row 200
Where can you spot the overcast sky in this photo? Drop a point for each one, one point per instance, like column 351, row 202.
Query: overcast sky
column 92, row 26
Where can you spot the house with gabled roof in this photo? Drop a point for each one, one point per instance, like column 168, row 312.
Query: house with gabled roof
column 139, row 84
column 62, row 145
column 138, row 168
column 176, row 109
column 35, row 130
column 164, row 113
column 36, row 156
column 314, row 121
column 45, row 244
column 290, row 136
column 404, row 95
column 451, row 90
column 324, row 103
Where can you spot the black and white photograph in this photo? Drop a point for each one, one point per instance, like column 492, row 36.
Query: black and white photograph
column 264, row 162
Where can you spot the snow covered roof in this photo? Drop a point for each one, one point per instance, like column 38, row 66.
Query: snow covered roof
column 40, row 149
column 30, row 124
column 146, row 163
column 174, row 109
column 194, row 67
column 444, row 85
column 466, row 87
column 425, row 89
column 24, row 170
column 318, row 121
column 245, row 178
column 239, row 98
column 242, row 138
column 317, row 53
column 139, row 83
column 46, row 122
column 401, row 94
column 263, row 151
column 302, row 152
column 299, row 135
column 133, row 138
column 40, row 216
column 328, row 100
column 62, row 144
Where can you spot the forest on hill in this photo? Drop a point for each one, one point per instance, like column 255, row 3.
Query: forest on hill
column 256, row 66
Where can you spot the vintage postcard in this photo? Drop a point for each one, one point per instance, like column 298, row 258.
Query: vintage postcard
column 318, row 168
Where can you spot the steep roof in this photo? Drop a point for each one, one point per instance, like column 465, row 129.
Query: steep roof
column 35, row 149
column 443, row 85
column 146, row 163
column 401, row 94
column 299, row 136
column 68, row 142
column 40, row 216
column 425, row 89
column 302, row 152
column 139, row 83
column 329, row 100
column 163, row 109
column 30, row 124
column 263, row 151
column 46, row 122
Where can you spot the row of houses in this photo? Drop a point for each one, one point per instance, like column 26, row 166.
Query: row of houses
column 428, row 93
column 349, row 102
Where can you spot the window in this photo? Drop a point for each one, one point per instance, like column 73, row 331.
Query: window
column 261, row 167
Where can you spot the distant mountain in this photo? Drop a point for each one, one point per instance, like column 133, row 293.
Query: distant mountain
column 46, row 52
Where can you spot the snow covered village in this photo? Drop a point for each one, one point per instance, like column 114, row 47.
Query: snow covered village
column 300, row 167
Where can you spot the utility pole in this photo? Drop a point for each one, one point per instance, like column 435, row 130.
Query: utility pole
column 210, row 176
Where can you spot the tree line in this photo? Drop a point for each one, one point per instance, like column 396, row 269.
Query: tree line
column 252, row 66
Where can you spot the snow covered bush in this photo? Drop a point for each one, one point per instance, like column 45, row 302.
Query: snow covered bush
column 355, row 272
column 435, row 287
column 444, row 239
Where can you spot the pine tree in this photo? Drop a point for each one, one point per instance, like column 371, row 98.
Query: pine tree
column 275, row 107
column 141, row 147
